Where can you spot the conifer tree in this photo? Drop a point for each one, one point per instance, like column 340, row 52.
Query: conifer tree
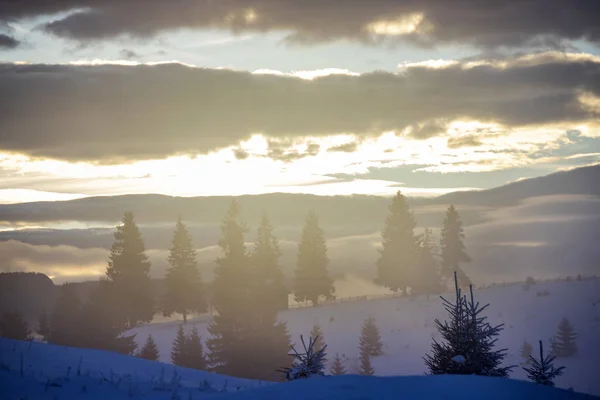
column 338, row 367
column 184, row 289
column 312, row 278
column 370, row 339
column 270, row 338
column 14, row 326
column 230, row 342
column 426, row 278
column 149, row 351
column 66, row 318
column 526, row 352
column 178, row 355
column 194, row 352
column 307, row 364
column 365, row 362
column 398, row 256
column 317, row 336
column 453, row 248
column 44, row 325
column 543, row 371
column 129, row 272
column 565, row 340
column 468, row 341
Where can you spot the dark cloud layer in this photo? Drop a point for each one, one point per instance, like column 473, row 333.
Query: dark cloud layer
column 113, row 113
column 482, row 23
column 8, row 42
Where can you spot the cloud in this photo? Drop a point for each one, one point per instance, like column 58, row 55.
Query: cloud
column 129, row 54
column 8, row 42
column 344, row 148
column 120, row 113
column 424, row 23
column 464, row 141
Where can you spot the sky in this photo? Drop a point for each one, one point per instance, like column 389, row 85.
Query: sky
column 325, row 97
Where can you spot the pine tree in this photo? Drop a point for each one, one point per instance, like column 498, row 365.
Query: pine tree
column 565, row 341
column 543, row 371
column 307, row 364
column 129, row 272
column 14, row 326
column 426, row 278
column 370, row 339
column 194, row 352
column 185, row 292
column 338, row 367
column 312, row 278
column 44, row 325
column 230, row 342
column 453, row 248
column 149, row 351
column 469, row 341
column 398, row 256
column 365, row 362
column 526, row 352
column 178, row 355
column 66, row 318
column 317, row 336
column 270, row 340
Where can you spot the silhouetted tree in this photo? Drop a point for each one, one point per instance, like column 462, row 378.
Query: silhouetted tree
column 317, row 336
column 526, row 351
column 14, row 326
column 338, row 367
column 66, row 327
column 426, row 277
column 398, row 256
column 365, row 362
column 468, row 341
column 453, row 248
column 129, row 273
column 312, row 278
column 230, row 341
column 565, row 344
column 370, row 339
column 44, row 325
column 149, row 351
column 178, row 356
column 194, row 352
column 543, row 371
column 184, row 289
column 307, row 364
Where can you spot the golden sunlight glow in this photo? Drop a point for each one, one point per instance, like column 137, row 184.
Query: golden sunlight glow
column 401, row 26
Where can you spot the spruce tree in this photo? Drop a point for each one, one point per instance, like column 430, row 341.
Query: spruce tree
column 468, row 341
column 337, row 367
column 317, row 336
column 453, row 248
column 565, row 340
column 129, row 273
column 230, row 342
column 194, row 352
column 66, row 320
column 365, row 362
column 370, row 339
column 526, row 352
column 178, row 354
column 149, row 351
column 14, row 326
column 312, row 278
column 44, row 325
column 426, row 278
column 184, row 289
column 270, row 339
column 543, row 371
column 398, row 256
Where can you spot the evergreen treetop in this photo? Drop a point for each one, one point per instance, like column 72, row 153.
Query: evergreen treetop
column 14, row 326
column 185, row 291
column 149, row 351
column 337, row 367
column 317, row 336
column 398, row 256
column 526, row 351
column 178, row 356
column 543, row 371
column 426, row 278
column 370, row 339
column 452, row 246
column 565, row 343
column 194, row 352
column 312, row 277
column 365, row 363
column 129, row 272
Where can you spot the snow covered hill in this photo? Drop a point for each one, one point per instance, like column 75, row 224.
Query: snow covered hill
column 407, row 326
column 50, row 372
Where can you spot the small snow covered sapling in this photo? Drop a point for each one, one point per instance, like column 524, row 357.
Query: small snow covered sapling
column 307, row 364
column 543, row 371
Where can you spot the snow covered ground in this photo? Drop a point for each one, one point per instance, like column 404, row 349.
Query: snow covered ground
column 407, row 326
column 58, row 373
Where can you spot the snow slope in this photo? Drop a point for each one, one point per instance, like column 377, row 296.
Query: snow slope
column 407, row 326
column 56, row 373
